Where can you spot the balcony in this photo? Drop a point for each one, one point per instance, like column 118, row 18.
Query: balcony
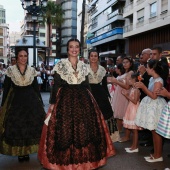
column 94, row 25
column 32, row 28
column 111, row 33
column 128, row 28
column 114, row 13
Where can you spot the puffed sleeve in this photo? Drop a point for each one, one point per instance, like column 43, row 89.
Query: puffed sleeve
column 7, row 86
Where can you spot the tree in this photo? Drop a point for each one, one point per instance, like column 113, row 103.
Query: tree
column 53, row 16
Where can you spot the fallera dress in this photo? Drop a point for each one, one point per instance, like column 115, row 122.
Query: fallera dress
column 149, row 110
column 74, row 136
column 22, row 115
column 119, row 102
column 130, row 115
column 98, row 84
column 163, row 127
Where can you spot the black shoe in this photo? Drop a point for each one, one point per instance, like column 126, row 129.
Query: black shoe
column 26, row 157
column 21, row 158
column 146, row 144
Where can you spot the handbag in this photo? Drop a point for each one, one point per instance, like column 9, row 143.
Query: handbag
column 113, row 130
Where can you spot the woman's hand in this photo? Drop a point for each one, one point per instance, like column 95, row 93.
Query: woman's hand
column 111, row 80
column 161, row 92
column 139, row 85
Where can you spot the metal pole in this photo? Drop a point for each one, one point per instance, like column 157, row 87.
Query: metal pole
column 34, row 45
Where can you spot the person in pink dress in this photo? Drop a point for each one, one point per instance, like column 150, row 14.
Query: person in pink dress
column 119, row 101
column 128, row 121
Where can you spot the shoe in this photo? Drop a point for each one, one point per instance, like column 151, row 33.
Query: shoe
column 26, row 157
column 146, row 144
column 147, row 157
column 127, row 148
column 154, row 160
column 21, row 158
column 132, row 151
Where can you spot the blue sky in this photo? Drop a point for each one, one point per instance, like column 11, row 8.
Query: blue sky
column 14, row 13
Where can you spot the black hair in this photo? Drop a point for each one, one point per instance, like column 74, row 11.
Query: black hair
column 135, row 76
column 156, row 66
column 159, row 49
column 121, row 68
column 131, row 62
column 18, row 49
column 93, row 50
column 73, row 39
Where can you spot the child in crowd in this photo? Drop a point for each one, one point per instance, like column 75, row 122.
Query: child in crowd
column 163, row 127
column 128, row 121
column 151, row 106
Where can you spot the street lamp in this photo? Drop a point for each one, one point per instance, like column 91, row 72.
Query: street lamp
column 34, row 10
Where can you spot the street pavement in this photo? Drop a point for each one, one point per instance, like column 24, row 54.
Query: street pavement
column 122, row 160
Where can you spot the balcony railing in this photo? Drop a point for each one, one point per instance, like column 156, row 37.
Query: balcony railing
column 127, row 28
column 153, row 15
column 114, row 13
column 31, row 28
column 94, row 25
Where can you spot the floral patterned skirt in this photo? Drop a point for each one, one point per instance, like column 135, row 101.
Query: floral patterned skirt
column 75, row 135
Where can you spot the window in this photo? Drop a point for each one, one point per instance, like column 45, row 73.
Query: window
column 1, row 51
column 164, row 5
column 140, row 15
column 42, row 34
column 1, row 41
column 1, row 31
column 153, row 9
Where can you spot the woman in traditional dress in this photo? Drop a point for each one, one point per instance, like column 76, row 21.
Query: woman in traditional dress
column 98, row 84
column 74, row 136
column 22, row 113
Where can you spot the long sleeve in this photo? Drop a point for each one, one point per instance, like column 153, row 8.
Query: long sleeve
column 36, row 88
column 104, row 85
column 56, row 86
column 86, row 83
column 7, row 86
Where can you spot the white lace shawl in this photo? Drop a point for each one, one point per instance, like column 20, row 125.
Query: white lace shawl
column 67, row 73
column 21, row 80
column 97, row 77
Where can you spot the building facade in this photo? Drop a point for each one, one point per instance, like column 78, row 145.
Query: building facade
column 4, row 37
column 2, row 15
column 147, row 24
column 106, row 27
column 69, row 26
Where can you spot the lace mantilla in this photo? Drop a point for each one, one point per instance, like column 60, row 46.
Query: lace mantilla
column 18, row 79
column 97, row 77
column 67, row 73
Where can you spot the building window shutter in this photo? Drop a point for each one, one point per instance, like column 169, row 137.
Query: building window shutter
column 164, row 5
column 140, row 15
